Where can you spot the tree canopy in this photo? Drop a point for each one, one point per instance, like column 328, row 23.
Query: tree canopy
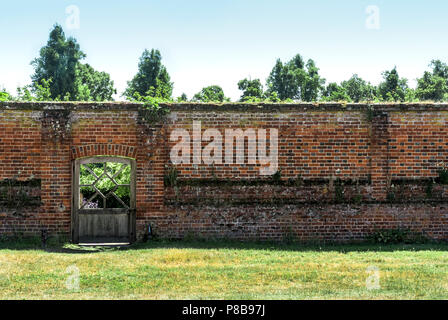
column 58, row 61
column 335, row 92
column 93, row 85
column 359, row 90
column 295, row 80
column 152, row 78
column 434, row 85
column 4, row 96
column 210, row 94
column 60, row 74
column 252, row 89
column 183, row 98
column 393, row 88
column 59, row 68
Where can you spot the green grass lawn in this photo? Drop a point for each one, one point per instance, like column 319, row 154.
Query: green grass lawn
column 223, row 270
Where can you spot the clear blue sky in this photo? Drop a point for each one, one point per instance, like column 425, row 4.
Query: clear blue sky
column 205, row 42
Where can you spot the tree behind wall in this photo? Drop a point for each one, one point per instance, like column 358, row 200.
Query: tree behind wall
column 434, row 85
column 58, row 61
column 152, row 78
column 4, row 96
column 359, row 90
column 210, row 94
column 335, row 92
column 93, row 85
column 295, row 80
column 313, row 84
column 252, row 89
column 183, row 98
column 59, row 67
column 393, row 88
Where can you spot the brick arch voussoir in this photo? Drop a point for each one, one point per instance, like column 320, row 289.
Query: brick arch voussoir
column 92, row 150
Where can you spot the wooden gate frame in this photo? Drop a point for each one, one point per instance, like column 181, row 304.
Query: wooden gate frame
column 75, row 192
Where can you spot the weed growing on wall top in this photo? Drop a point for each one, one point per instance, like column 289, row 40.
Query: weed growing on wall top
column 151, row 111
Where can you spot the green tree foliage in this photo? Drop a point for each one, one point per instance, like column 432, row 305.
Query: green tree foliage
column 92, row 85
column 4, row 96
column 286, row 80
column 393, row 88
column 252, row 90
column 210, row 94
column 439, row 69
column 335, row 92
column 152, row 78
column 434, row 85
column 59, row 66
column 295, row 80
column 182, row 98
column 105, row 185
column 431, row 87
column 410, row 95
column 60, row 75
column 313, row 83
column 358, row 89
column 40, row 92
column 58, row 61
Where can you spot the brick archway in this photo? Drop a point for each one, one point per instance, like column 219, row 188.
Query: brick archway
column 91, row 150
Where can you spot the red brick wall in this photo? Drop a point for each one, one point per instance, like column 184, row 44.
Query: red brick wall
column 311, row 144
column 418, row 142
column 338, row 165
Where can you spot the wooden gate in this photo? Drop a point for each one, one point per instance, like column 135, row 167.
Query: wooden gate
column 103, row 200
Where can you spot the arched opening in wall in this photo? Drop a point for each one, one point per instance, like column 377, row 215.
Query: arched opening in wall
column 103, row 200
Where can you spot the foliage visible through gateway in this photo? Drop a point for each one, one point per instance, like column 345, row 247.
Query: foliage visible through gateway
column 111, row 180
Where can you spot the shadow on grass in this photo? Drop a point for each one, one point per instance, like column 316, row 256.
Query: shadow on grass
column 55, row 246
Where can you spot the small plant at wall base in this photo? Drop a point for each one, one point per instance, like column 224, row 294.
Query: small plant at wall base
column 395, row 236
column 277, row 177
column 213, row 174
column 389, row 236
column 357, row 199
column 390, row 196
column 339, row 191
column 429, row 189
column 298, row 182
column 290, row 236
